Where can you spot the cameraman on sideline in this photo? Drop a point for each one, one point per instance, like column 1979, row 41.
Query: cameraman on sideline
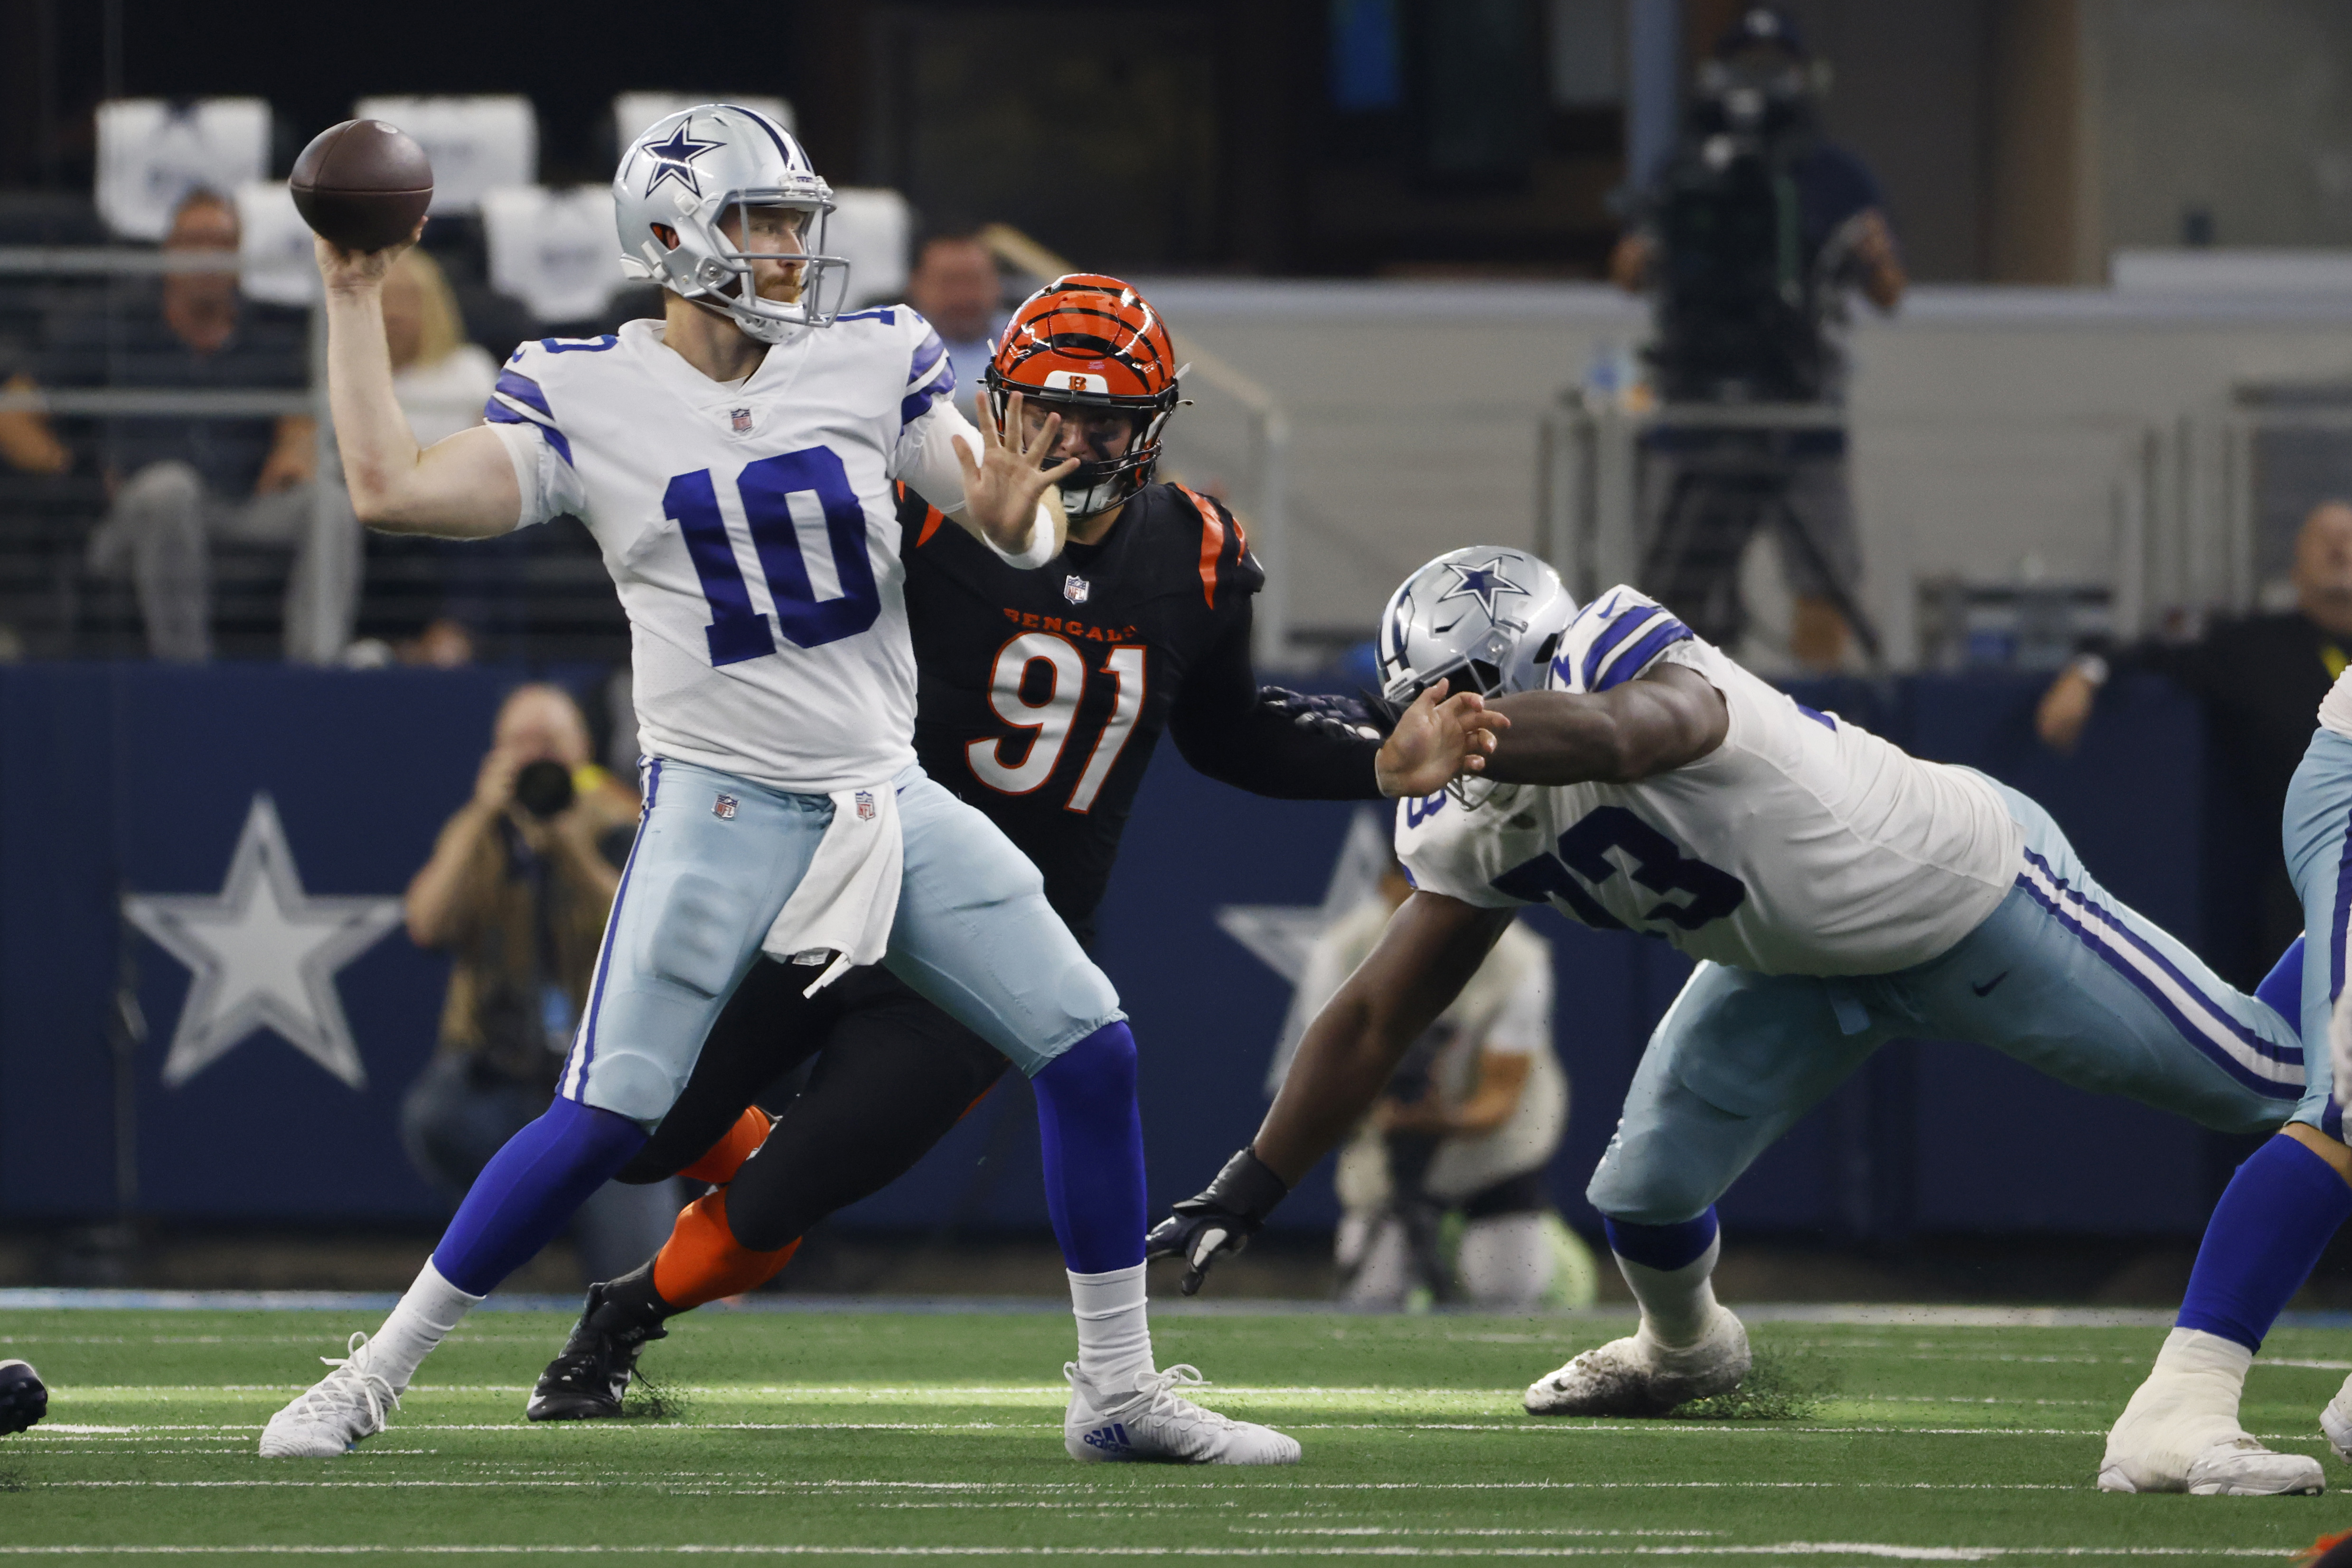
column 517, row 889
column 1749, row 240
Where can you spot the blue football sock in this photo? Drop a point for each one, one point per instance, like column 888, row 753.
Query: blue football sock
column 1661, row 1247
column 2267, row 1231
column 1092, row 1138
column 530, row 1191
column 2283, row 987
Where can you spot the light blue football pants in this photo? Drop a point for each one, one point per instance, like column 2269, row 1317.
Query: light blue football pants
column 717, row 856
column 2060, row 975
column 2317, row 831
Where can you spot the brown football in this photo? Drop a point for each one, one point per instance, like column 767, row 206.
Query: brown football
column 363, row 184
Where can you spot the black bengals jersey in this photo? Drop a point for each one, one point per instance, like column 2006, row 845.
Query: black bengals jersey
column 1043, row 693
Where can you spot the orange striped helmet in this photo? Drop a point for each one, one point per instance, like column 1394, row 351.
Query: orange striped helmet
column 1089, row 342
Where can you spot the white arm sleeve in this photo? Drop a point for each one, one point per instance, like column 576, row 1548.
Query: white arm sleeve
column 925, row 457
column 550, row 487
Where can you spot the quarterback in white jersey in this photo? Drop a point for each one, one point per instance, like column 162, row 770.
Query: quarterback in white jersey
column 1837, row 892
column 734, row 461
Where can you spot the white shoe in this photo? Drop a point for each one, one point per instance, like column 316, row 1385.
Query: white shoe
column 2335, row 1420
column 1156, row 1422
column 333, row 1413
column 2239, row 1467
column 2176, row 1435
column 1640, row 1377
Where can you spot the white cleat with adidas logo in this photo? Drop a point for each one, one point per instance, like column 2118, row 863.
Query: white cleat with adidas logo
column 1154, row 1422
column 333, row 1413
column 1640, row 1377
column 2180, row 1434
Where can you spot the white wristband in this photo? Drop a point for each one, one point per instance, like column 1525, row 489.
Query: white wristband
column 1042, row 548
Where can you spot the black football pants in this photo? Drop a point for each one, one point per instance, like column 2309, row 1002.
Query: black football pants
column 891, row 1075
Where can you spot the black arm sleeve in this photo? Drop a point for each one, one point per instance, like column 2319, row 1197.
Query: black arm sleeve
column 1267, row 740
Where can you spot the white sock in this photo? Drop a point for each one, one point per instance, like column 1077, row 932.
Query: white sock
column 2189, row 1403
column 432, row 1307
column 1114, row 1333
column 1676, row 1303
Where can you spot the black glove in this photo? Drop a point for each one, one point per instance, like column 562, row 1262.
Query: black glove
column 1349, row 714
column 1222, row 1218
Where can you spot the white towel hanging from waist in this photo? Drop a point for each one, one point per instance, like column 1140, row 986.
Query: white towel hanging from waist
column 847, row 899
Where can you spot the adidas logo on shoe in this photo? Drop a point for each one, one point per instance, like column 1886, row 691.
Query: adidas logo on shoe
column 1111, row 1439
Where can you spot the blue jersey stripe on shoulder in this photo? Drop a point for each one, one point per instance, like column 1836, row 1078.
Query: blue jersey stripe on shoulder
column 497, row 413
column 885, row 315
column 928, row 353
column 524, row 390
column 1635, row 659
column 939, row 386
column 1624, row 626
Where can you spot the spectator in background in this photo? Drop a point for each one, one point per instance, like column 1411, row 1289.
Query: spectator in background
column 179, row 485
column 1744, row 315
column 2260, row 680
column 1467, row 1127
column 442, row 381
column 517, row 889
column 956, row 287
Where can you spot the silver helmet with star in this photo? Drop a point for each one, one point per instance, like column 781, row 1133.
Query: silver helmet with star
column 1485, row 618
column 686, row 175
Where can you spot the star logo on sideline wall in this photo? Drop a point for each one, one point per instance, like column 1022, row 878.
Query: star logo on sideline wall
column 1485, row 583
column 1281, row 935
column 675, row 155
column 264, row 955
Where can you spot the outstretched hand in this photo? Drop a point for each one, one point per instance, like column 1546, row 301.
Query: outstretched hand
column 1003, row 486
column 1438, row 738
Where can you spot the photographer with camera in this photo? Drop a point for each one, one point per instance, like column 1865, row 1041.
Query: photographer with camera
column 516, row 891
column 1749, row 241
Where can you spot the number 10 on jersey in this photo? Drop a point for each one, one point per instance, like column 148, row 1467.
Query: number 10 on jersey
column 1055, row 716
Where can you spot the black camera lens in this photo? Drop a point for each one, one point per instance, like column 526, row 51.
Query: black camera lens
column 543, row 788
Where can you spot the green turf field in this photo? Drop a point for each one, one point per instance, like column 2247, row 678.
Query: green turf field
column 866, row 1433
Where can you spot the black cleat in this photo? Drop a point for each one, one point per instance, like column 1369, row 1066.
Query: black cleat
column 24, row 1397
column 587, row 1381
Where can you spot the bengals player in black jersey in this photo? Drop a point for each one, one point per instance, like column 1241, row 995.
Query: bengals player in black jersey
column 1041, row 695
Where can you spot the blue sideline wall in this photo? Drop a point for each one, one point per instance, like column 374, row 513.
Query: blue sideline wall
column 137, row 779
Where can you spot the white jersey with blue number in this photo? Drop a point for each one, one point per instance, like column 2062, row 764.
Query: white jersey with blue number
column 1801, row 846
column 750, row 530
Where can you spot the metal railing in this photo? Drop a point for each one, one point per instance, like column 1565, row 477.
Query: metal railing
column 1589, row 520
column 2194, row 535
column 1264, row 506
column 180, row 402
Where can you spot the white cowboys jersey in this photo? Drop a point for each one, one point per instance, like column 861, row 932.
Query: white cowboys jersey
column 750, row 530
column 1799, row 846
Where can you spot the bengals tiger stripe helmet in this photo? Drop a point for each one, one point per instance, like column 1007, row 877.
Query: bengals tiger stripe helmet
column 1089, row 342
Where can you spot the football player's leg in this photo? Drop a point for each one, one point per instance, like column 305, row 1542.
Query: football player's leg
column 976, row 934
column 2068, row 979
column 1735, row 1063
column 698, row 895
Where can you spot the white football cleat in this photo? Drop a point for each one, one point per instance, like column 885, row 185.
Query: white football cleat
column 1639, row 1377
column 2180, row 1434
column 333, row 1413
column 2335, row 1420
column 1157, row 1423
column 2237, row 1466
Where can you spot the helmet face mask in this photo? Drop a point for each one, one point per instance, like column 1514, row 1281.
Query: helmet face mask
column 1088, row 345
column 693, row 177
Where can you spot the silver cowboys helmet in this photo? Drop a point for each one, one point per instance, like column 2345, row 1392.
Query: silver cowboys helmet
column 1484, row 618
column 686, row 175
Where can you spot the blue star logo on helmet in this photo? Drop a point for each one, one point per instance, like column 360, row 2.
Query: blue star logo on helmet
column 1485, row 583
column 675, row 155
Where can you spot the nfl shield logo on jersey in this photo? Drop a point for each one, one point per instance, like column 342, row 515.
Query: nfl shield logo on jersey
column 740, row 418
column 865, row 805
column 1076, row 588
